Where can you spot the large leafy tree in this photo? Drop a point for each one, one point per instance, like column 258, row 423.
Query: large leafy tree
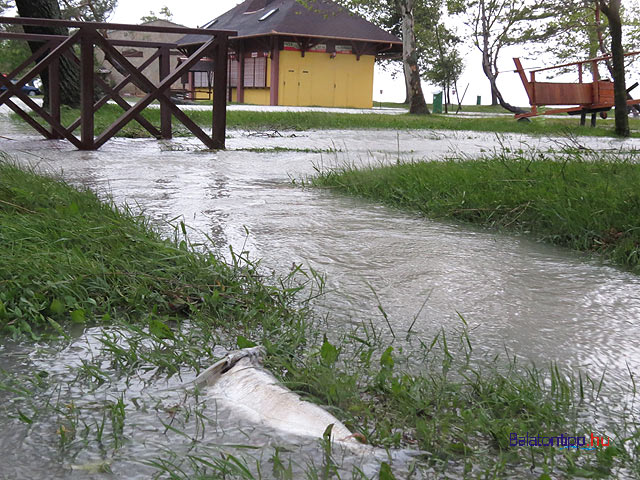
column 441, row 62
column 69, row 74
column 497, row 24
column 584, row 33
column 410, row 58
column 402, row 15
column 14, row 52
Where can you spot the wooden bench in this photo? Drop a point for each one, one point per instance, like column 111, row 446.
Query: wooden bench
column 592, row 97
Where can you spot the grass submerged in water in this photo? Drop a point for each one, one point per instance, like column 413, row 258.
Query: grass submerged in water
column 162, row 305
column 586, row 201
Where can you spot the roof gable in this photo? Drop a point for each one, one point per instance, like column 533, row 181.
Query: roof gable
column 313, row 18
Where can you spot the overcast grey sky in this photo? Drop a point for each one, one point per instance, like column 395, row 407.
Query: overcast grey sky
column 190, row 13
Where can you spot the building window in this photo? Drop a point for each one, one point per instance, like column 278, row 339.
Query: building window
column 202, row 79
column 232, row 72
column 255, row 72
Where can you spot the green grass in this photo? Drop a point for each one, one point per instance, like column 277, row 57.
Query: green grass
column 452, row 107
column 69, row 261
column 68, row 257
column 583, row 201
column 332, row 121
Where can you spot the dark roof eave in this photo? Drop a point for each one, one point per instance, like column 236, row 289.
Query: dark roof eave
column 283, row 34
column 328, row 37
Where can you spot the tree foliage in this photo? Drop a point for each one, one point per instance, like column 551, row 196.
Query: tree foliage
column 163, row 14
column 497, row 24
column 400, row 17
column 441, row 62
column 79, row 10
column 581, row 34
column 14, row 52
column 69, row 85
column 87, row 10
column 584, row 33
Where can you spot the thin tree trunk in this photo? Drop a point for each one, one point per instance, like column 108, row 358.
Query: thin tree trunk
column 496, row 96
column 487, row 66
column 417, row 104
column 69, row 74
column 407, row 89
column 604, row 51
column 447, row 97
column 612, row 11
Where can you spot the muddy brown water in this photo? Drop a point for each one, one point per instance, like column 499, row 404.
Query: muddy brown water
column 537, row 301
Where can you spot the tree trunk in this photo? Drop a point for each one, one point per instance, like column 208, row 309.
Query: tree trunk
column 496, row 96
column 603, row 50
column 612, row 11
column 69, row 74
column 491, row 73
column 407, row 89
column 417, row 103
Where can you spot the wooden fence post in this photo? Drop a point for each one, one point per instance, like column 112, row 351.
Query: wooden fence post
column 219, row 126
column 86, row 90
column 165, row 113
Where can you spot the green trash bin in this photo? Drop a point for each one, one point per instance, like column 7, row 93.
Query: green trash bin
column 479, row 100
column 437, row 102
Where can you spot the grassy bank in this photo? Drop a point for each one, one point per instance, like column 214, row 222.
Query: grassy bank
column 452, row 107
column 333, row 121
column 582, row 200
column 68, row 261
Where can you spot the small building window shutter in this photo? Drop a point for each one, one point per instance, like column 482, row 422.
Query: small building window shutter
column 249, row 72
column 233, row 68
column 260, row 79
column 255, row 72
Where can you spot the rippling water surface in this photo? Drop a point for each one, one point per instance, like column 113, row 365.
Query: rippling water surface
column 537, row 301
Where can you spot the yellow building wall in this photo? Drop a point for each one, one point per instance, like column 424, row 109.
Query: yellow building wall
column 253, row 96
column 315, row 80
column 319, row 80
column 202, row 93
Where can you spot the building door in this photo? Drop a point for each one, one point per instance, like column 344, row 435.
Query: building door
column 341, row 86
column 289, row 87
column 305, row 87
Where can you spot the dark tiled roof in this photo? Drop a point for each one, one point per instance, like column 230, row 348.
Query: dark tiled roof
column 312, row 18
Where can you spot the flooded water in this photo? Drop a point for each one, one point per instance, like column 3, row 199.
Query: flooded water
column 539, row 302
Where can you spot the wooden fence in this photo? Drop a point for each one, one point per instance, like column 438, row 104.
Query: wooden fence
column 85, row 37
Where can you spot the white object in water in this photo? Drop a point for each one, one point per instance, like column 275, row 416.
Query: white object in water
column 240, row 380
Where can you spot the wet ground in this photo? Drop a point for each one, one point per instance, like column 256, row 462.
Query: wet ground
column 539, row 302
